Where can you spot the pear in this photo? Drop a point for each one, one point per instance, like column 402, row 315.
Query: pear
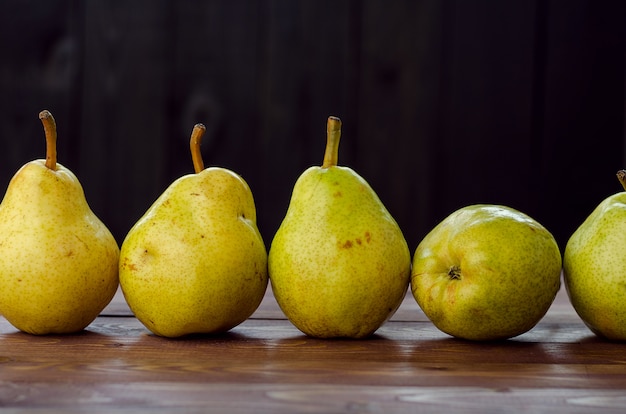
column 339, row 264
column 594, row 267
column 58, row 261
column 486, row 272
column 195, row 263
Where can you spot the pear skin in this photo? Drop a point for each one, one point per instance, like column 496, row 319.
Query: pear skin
column 58, row 261
column 594, row 267
column 486, row 272
column 339, row 264
column 195, row 263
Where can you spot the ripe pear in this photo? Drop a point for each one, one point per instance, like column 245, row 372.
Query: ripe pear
column 486, row 272
column 58, row 261
column 339, row 264
column 195, row 263
column 594, row 267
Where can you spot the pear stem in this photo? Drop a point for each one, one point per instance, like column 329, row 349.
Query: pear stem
column 194, row 145
column 50, row 129
column 621, row 176
column 333, row 134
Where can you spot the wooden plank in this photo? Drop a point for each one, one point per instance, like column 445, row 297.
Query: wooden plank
column 124, row 119
column 400, row 342
column 289, row 398
column 267, row 364
column 39, row 70
column 483, row 150
column 581, row 136
column 274, row 352
column 215, row 77
column 398, row 101
column 307, row 73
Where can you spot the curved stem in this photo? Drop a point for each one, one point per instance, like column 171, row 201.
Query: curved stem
column 50, row 129
column 621, row 176
column 194, row 145
column 333, row 134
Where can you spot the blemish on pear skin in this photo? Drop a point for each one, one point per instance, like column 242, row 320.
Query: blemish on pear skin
column 337, row 194
column 451, row 294
column 346, row 245
column 359, row 241
column 82, row 241
column 368, row 237
column 129, row 266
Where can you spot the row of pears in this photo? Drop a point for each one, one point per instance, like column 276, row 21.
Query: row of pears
column 339, row 265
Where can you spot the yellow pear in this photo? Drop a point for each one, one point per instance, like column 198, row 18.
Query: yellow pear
column 339, row 264
column 58, row 261
column 486, row 272
column 195, row 263
column 594, row 267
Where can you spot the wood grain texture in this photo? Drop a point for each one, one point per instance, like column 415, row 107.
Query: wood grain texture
column 267, row 365
column 285, row 398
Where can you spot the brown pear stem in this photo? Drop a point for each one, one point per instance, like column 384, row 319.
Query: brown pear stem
column 194, row 145
column 50, row 129
column 621, row 176
column 333, row 134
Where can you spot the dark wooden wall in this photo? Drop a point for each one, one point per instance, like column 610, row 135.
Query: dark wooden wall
column 445, row 103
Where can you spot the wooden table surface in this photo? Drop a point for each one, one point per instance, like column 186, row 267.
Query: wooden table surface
column 267, row 365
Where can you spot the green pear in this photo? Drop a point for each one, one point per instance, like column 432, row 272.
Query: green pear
column 486, row 272
column 339, row 264
column 594, row 267
column 58, row 261
column 195, row 263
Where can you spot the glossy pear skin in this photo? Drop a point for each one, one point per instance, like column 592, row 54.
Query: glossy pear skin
column 594, row 268
column 486, row 272
column 339, row 263
column 58, row 261
column 195, row 262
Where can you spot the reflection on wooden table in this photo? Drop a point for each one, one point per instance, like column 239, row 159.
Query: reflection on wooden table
column 267, row 365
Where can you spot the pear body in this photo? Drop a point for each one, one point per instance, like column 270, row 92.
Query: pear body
column 58, row 261
column 339, row 264
column 195, row 263
column 594, row 268
column 486, row 272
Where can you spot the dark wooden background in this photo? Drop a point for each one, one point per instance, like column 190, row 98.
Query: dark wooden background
column 445, row 103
